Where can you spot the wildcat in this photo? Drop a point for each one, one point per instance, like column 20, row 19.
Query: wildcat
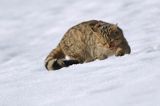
column 86, row 42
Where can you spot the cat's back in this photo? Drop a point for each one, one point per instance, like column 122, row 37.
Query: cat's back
column 79, row 32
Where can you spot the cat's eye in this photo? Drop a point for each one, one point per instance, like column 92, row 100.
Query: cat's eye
column 117, row 38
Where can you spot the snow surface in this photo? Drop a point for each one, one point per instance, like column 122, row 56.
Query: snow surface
column 30, row 29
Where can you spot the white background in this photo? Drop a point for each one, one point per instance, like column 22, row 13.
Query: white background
column 30, row 29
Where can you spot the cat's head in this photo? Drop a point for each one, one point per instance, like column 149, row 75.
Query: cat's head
column 110, row 34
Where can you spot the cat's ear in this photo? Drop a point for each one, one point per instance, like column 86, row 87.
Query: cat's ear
column 114, row 27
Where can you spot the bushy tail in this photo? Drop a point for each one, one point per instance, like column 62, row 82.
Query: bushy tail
column 56, row 60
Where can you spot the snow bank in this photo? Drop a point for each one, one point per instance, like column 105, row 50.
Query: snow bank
column 30, row 29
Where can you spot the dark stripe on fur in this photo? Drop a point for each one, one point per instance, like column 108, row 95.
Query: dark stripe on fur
column 46, row 64
column 70, row 62
column 56, row 65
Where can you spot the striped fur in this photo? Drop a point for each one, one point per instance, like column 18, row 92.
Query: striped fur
column 87, row 42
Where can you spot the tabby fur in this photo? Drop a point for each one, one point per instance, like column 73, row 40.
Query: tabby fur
column 87, row 42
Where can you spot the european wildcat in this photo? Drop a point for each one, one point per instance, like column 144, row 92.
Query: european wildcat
column 87, row 42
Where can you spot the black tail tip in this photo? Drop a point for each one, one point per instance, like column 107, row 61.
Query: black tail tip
column 58, row 64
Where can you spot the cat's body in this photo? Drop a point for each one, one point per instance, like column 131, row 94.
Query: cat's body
column 87, row 42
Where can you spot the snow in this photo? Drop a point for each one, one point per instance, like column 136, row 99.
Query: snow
column 30, row 29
